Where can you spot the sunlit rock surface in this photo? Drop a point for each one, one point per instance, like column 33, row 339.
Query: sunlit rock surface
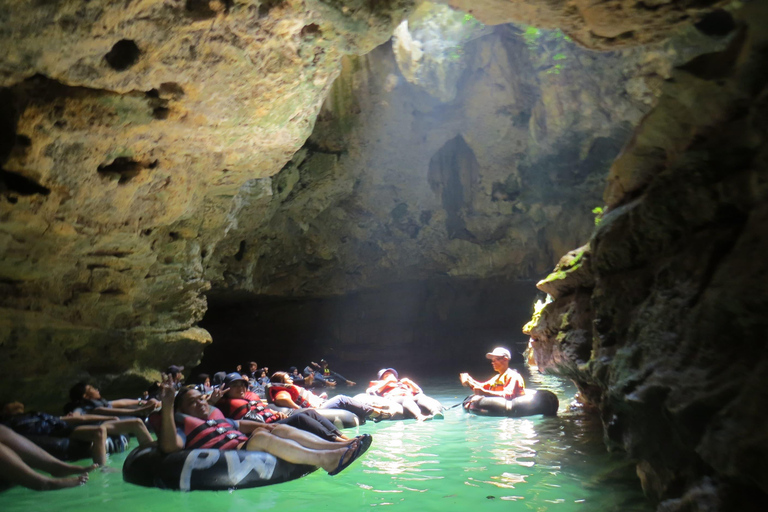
column 600, row 25
column 127, row 129
column 670, row 339
column 397, row 184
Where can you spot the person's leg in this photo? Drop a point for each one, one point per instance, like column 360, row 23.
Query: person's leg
column 346, row 403
column 97, row 436
column 410, row 406
column 433, row 406
column 311, row 421
column 306, row 439
column 133, row 426
column 14, row 470
column 291, row 451
column 36, row 457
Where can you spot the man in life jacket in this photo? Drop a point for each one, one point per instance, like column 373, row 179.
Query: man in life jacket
column 189, row 422
column 508, row 384
column 406, row 393
column 238, row 403
column 284, row 393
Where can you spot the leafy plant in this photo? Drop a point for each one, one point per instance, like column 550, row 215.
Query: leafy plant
column 598, row 211
column 550, row 48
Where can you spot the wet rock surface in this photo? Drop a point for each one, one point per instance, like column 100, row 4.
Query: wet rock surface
column 676, row 317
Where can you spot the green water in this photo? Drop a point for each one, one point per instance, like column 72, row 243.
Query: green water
column 462, row 463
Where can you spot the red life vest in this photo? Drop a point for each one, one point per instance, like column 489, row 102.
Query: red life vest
column 215, row 432
column 274, row 389
column 247, row 407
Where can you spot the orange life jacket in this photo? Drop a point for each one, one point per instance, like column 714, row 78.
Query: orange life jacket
column 503, row 380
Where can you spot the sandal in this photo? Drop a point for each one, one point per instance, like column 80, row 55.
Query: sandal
column 364, row 442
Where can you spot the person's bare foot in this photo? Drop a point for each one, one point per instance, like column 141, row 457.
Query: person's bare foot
column 72, row 469
column 65, row 483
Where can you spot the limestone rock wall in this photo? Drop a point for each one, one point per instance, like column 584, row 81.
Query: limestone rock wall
column 661, row 321
column 403, row 179
column 126, row 130
column 599, row 25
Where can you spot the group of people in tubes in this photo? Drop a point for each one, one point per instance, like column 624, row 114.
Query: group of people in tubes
column 231, row 417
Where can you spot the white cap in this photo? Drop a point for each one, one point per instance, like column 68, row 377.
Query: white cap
column 499, row 352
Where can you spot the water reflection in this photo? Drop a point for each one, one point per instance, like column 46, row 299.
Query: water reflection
column 553, row 462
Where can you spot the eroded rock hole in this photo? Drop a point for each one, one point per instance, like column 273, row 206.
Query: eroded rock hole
column 268, row 5
column 123, row 55
column 716, row 23
column 452, row 172
column 171, row 89
column 240, row 251
column 8, row 121
column 124, row 169
column 161, row 112
column 200, row 9
column 12, row 183
column 311, row 30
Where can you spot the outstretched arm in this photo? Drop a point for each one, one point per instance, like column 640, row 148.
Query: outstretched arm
column 167, row 438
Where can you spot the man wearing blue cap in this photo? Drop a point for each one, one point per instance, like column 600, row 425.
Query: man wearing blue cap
column 507, row 384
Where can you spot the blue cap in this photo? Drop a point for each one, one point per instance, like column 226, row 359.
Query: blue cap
column 385, row 370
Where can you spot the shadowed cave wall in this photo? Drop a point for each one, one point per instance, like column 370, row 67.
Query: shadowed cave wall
column 425, row 328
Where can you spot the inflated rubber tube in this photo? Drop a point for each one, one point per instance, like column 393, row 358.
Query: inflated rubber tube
column 339, row 417
column 533, row 402
column 394, row 409
column 208, row 470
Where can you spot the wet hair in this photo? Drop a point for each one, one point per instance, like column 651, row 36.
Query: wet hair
column 200, row 379
column 280, row 377
column 77, row 391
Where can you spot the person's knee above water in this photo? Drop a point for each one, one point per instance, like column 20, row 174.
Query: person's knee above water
column 507, row 384
column 189, row 422
column 405, row 392
column 284, row 393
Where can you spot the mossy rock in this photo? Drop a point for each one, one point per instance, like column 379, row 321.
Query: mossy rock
column 572, row 272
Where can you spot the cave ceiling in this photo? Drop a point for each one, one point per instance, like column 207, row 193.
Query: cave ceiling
column 133, row 135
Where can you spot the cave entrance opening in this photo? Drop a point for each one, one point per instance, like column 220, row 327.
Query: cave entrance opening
column 435, row 327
